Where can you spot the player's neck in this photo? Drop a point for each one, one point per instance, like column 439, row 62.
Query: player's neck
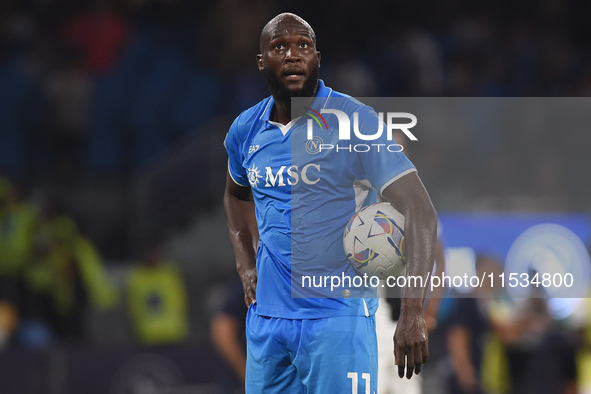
column 281, row 113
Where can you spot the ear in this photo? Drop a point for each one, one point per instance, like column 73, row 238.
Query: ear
column 260, row 63
column 318, row 57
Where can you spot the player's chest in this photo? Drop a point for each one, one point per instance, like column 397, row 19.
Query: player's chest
column 274, row 160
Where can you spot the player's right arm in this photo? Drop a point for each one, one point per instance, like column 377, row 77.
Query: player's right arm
column 242, row 231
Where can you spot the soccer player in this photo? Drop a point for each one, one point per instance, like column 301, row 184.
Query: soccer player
column 284, row 205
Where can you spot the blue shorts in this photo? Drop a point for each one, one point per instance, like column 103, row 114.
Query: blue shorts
column 312, row 356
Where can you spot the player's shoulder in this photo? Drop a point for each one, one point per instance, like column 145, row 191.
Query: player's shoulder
column 250, row 116
column 345, row 102
column 244, row 124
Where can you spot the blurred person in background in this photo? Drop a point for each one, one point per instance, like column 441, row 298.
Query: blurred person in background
column 101, row 34
column 101, row 292
column 157, row 301
column 18, row 221
column 229, row 338
column 493, row 340
column 542, row 352
column 521, row 329
column 65, row 276
column 54, row 294
column 68, row 91
column 469, row 325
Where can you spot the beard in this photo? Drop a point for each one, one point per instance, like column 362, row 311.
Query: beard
column 283, row 95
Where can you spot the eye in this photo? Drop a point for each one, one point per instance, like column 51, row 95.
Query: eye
column 278, row 46
column 304, row 45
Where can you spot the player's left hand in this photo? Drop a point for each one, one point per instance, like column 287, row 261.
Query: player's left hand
column 411, row 343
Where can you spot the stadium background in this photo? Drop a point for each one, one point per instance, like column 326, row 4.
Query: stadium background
column 114, row 113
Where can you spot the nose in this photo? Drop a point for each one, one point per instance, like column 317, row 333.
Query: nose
column 293, row 54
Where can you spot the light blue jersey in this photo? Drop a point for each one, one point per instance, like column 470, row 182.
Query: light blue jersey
column 305, row 192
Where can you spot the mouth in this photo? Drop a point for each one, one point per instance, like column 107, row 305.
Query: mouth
column 293, row 75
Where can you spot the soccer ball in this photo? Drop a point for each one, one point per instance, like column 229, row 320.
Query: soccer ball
column 374, row 241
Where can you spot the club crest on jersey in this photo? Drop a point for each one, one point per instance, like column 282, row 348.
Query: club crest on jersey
column 313, row 145
column 254, row 175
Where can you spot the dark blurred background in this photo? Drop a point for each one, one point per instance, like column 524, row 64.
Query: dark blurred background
column 112, row 118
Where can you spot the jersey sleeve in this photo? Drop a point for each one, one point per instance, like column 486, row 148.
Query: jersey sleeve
column 382, row 165
column 234, row 144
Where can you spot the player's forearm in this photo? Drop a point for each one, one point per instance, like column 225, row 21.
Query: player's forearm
column 241, row 224
column 409, row 197
column 435, row 295
column 438, row 291
column 420, row 238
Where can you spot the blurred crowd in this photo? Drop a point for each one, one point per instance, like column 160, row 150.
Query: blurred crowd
column 49, row 273
column 87, row 89
column 52, row 275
